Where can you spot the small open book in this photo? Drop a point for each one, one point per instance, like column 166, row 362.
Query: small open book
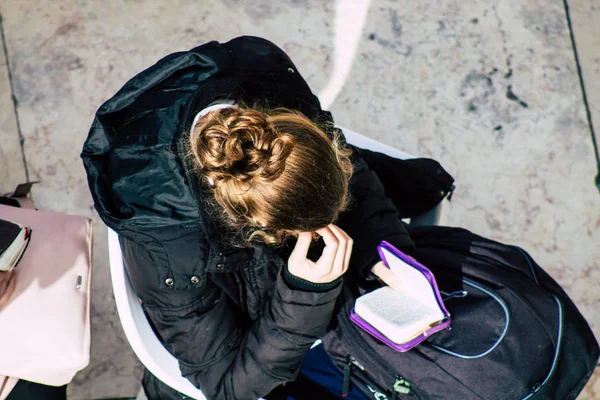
column 402, row 319
column 14, row 239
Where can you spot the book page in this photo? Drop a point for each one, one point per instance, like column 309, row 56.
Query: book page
column 397, row 315
column 414, row 282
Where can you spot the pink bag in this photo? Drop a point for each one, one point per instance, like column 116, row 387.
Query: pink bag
column 45, row 327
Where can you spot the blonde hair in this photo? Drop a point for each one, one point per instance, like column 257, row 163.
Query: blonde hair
column 273, row 173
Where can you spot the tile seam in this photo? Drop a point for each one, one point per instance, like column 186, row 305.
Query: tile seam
column 583, row 92
column 14, row 100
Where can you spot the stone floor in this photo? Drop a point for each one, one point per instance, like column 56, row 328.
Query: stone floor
column 489, row 88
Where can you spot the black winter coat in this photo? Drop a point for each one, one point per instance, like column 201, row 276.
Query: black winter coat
column 237, row 326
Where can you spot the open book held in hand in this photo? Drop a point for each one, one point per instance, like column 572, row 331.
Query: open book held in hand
column 14, row 239
column 402, row 318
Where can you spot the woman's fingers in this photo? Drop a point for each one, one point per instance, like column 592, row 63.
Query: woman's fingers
column 345, row 245
column 349, row 245
column 5, row 278
column 340, row 254
column 7, row 288
column 302, row 245
column 348, row 254
column 387, row 276
column 334, row 259
column 331, row 245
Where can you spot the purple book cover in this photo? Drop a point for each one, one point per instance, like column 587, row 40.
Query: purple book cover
column 403, row 347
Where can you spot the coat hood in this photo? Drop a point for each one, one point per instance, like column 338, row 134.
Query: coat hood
column 131, row 154
column 134, row 151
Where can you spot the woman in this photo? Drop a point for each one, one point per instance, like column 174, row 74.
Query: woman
column 217, row 167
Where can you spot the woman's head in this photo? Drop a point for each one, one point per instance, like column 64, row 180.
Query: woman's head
column 272, row 173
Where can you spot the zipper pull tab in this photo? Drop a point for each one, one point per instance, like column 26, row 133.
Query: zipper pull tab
column 347, row 374
column 401, row 386
column 453, row 295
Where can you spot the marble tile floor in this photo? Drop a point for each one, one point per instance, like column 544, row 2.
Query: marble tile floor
column 488, row 88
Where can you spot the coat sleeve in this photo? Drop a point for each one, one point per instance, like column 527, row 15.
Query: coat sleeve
column 414, row 185
column 223, row 353
column 370, row 218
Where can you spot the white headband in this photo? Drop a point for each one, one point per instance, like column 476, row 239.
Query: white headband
column 201, row 114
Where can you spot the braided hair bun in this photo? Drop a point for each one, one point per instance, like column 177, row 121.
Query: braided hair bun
column 272, row 173
column 241, row 146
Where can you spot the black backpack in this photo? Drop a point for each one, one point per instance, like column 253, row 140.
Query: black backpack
column 515, row 334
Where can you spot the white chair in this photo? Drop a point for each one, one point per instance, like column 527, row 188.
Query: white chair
column 138, row 331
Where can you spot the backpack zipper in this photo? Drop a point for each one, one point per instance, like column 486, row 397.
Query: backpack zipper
column 454, row 295
column 347, row 375
column 538, row 386
column 500, row 301
column 401, row 385
column 360, row 343
column 368, row 378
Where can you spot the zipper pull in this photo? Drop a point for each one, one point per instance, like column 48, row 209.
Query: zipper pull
column 347, row 374
column 356, row 364
column 401, row 386
column 453, row 295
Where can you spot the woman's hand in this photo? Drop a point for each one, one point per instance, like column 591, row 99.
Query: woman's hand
column 387, row 276
column 333, row 262
column 7, row 287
